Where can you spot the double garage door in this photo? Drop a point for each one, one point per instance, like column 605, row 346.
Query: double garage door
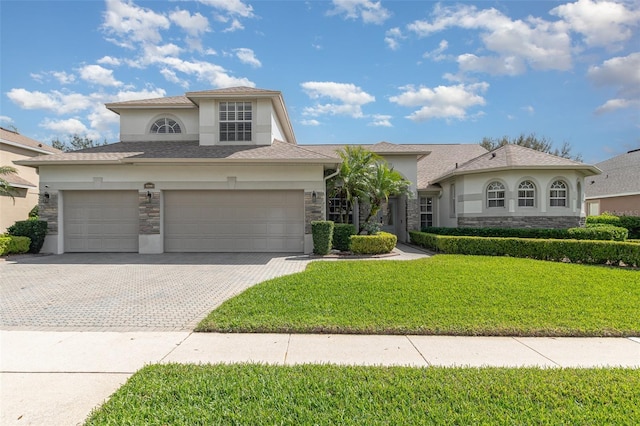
column 194, row 221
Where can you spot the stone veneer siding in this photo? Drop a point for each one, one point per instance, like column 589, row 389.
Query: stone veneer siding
column 313, row 211
column 48, row 211
column 149, row 209
column 413, row 214
column 558, row 222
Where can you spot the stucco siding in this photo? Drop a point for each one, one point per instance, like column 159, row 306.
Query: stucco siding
column 135, row 125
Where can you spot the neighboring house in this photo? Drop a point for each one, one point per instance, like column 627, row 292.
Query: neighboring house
column 14, row 146
column 221, row 171
column 617, row 189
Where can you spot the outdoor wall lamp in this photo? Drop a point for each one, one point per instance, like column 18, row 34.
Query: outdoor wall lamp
column 314, row 196
column 149, row 196
column 46, row 197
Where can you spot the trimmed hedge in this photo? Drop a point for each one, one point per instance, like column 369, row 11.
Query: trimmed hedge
column 341, row 234
column 599, row 231
column 322, row 232
column 604, row 232
column 578, row 251
column 382, row 242
column 499, row 232
column 632, row 223
column 34, row 229
column 14, row 245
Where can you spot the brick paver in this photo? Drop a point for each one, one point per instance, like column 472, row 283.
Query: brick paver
column 131, row 292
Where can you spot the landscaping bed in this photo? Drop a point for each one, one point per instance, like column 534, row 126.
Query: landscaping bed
column 441, row 295
column 250, row 394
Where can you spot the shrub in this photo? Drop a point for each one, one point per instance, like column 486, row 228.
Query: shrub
column 14, row 245
column 341, row 234
column 34, row 229
column 599, row 231
column 383, row 242
column 632, row 223
column 580, row 251
column 34, row 213
column 500, row 232
column 322, row 232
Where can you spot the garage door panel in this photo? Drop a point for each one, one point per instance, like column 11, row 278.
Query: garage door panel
column 101, row 221
column 228, row 221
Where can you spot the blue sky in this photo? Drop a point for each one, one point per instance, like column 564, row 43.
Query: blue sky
column 356, row 71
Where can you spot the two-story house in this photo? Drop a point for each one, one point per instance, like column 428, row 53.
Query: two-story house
column 221, row 171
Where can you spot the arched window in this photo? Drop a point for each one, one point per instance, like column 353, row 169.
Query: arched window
column 558, row 194
column 165, row 125
column 526, row 194
column 495, row 194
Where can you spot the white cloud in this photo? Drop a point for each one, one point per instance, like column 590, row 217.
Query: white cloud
column 195, row 25
column 448, row 102
column 108, row 60
column 236, row 25
column 6, row 119
column 231, row 7
column 350, row 96
column 392, row 37
column 55, row 101
column 380, row 120
column 371, row 12
column 615, row 104
column 98, row 75
column 212, row 74
column 63, row 77
column 437, row 54
column 602, row 23
column 130, row 23
column 623, row 73
column 540, row 44
column 247, row 56
column 529, row 109
column 310, row 122
column 69, row 126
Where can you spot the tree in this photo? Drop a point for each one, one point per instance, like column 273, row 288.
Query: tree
column 5, row 187
column 75, row 142
column 366, row 176
column 532, row 141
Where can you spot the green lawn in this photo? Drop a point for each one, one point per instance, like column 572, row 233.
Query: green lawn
column 251, row 394
column 444, row 294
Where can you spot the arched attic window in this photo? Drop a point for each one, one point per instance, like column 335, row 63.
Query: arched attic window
column 165, row 125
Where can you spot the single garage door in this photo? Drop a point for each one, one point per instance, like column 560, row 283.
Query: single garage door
column 100, row 221
column 234, row 221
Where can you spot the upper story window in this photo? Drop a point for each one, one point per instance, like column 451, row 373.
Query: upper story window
column 558, row 194
column 235, row 121
column 165, row 125
column 526, row 194
column 495, row 194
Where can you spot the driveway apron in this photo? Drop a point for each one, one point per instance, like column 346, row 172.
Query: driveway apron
column 128, row 292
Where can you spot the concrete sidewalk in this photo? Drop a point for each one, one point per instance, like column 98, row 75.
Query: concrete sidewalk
column 58, row 377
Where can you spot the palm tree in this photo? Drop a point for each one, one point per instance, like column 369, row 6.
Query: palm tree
column 5, row 187
column 384, row 182
column 367, row 176
column 353, row 174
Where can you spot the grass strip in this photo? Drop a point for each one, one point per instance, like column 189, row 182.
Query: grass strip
column 441, row 295
column 253, row 394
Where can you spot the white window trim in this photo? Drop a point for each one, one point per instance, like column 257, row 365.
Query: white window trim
column 496, row 196
column 566, row 193
column 532, row 198
column 236, row 121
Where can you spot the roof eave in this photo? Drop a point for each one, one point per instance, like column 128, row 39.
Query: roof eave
column 592, row 170
column 27, row 147
column 226, row 160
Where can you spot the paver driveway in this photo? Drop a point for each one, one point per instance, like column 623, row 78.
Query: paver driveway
column 128, row 292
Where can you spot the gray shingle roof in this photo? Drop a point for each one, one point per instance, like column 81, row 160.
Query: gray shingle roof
column 379, row 148
column 513, row 156
column 235, row 91
column 443, row 159
column 25, row 142
column 620, row 175
column 128, row 152
column 18, row 182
